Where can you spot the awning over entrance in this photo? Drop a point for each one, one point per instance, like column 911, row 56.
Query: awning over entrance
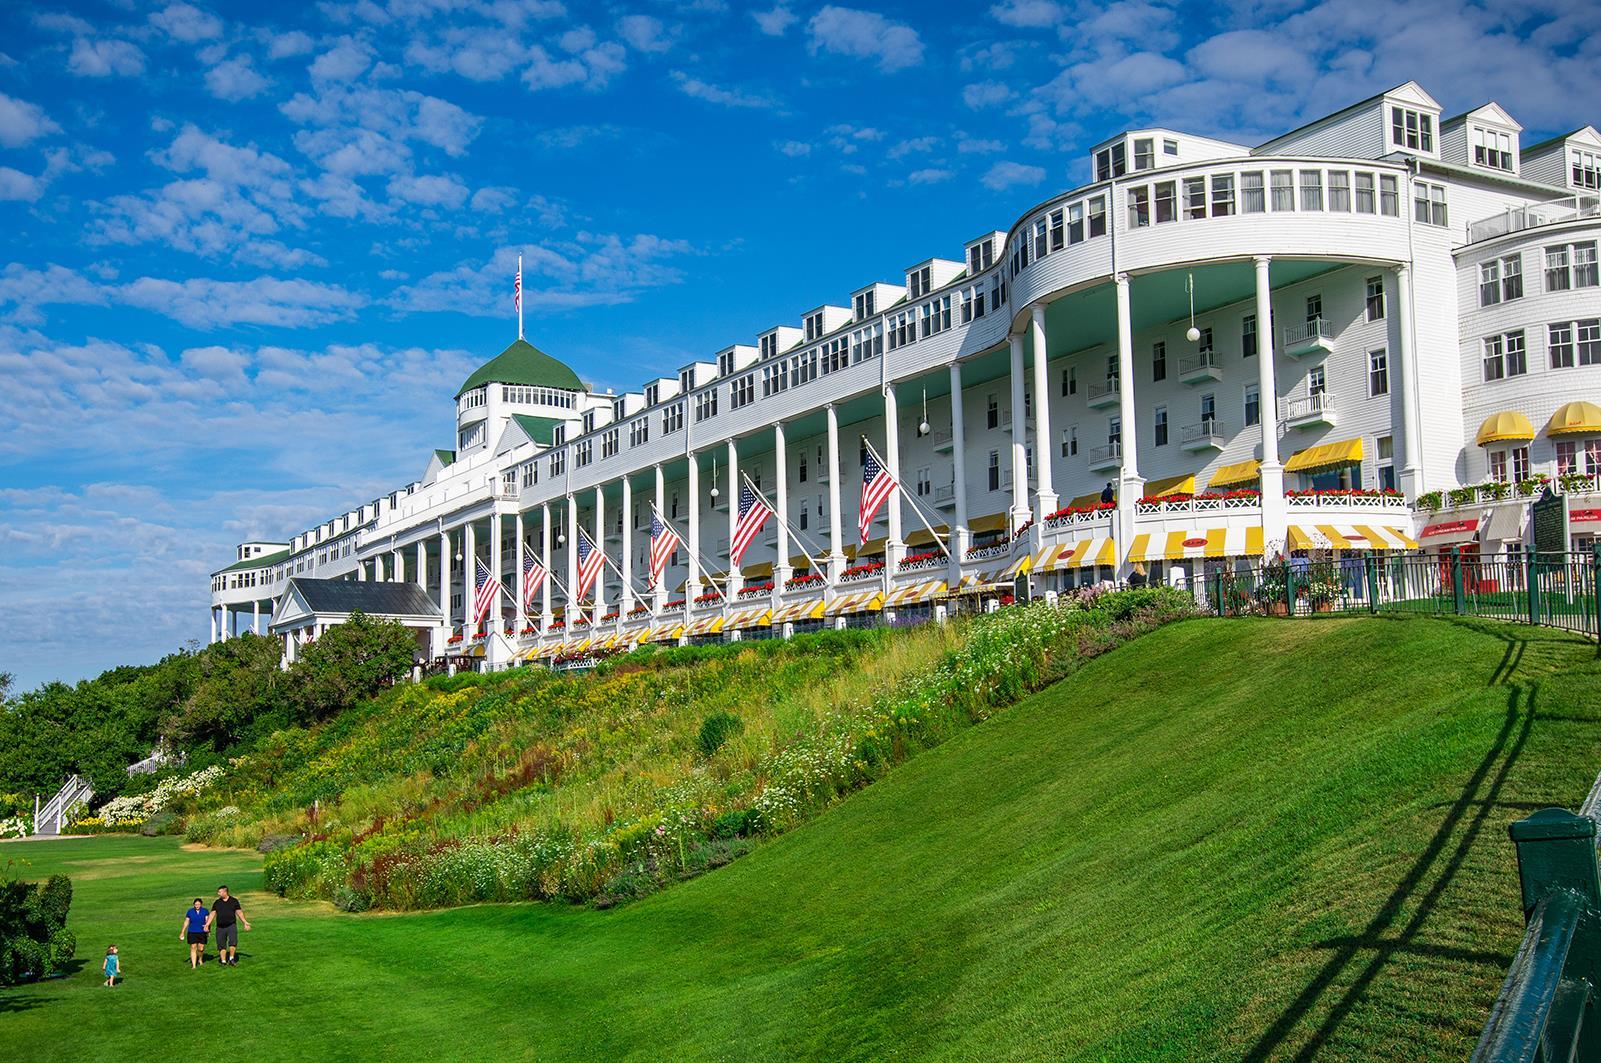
column 706, row 625
column 1349, row 537
column 1189, row 545
column 1508, row 426
column 1242, row 472
column 856, row 602
column 1574, row 418
column 810, row 609
column 755, row 616
column 1506, row 522
column 1326, row 456
column 917, row 593
column 1448, row 532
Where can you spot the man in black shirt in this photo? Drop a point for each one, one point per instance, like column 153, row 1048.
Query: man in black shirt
column 224, row 913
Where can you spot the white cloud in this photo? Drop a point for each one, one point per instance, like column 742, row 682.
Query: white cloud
column 644, row 33
column 590, row 65
column 591, row 269
column 344, row 62
column 235, row 79
column 775, row 22
column 496, row 200
column 915, row 145
column 432, row 190
column 202, row 303
column 102, row 58
column 986, row 94
column 795, row 149
column 1004, row 175
column 478, row 53
column 865, row 35
column 928, row 176
column 21, row 121
column 16, row 185
column 1027, row 14
column 702, row 90
column 287, row 45
column 187, row 23
column 967, row 145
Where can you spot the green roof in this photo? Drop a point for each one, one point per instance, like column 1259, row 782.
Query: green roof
column 523, row 363
column 256, row 562
column 537, row 428
column 446, row 458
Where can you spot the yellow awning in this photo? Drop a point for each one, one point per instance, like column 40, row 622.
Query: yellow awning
column 809, row 609
column 923, row 537
column 858, row 602
column 667, row 633
column 1085, row 501
column 1241, row 472
column 1349, row 537
column 759, row 616
column 1189, row 545
column 1506, row 426
column 1328, row 456
column 917, row 593
column 979, row 582
column 1572, row 418
column 800, row 561
column 1082, row 554
column 870, row 547
column 706, row 625
column 995, row 522
column 1171, row 485
column 759, row 572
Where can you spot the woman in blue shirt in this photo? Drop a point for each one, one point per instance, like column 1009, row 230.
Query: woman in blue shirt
column 194, row 931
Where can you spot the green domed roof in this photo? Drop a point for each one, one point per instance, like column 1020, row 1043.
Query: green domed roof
column 523, row 363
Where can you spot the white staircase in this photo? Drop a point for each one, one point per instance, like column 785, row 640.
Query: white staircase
column 52, row 816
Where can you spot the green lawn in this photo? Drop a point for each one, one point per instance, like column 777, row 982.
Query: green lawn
column 1228, row 839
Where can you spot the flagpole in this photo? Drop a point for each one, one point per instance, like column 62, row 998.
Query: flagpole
column 774, row 511
column 519, row 296
column 902, row 489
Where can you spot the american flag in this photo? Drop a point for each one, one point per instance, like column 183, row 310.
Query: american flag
column 877, row 486
column 663, row 542
column 517, row 287
column 533, row 578
column 591, row 559
column 753, row 513
column 486, row 587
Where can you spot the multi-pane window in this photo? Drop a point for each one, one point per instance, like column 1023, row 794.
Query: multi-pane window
column 1586, row 169
column 1317, row 380
column 1364, row 193
column 1314, row 309
column 1222, row 195
column 1577, row 264
column 1589, row 341
column 1248, row 336
column 1378, row 373
column 1489, row 282
column 1559, row 342
column 1386, row 448
column 1252, row 197
column 835, row 354
column 1411, row 129
column 1283, row 185
column 802, row 369
column 558, row 462
column 1139, row 207
column 639, row 432
column 1159, row 426
column 1339, row 190
column 867, row 343
column 1558, row 269
column 902, row 330
column 1208, row 411
column 994, row 470
column 1069, row 381
column 1075, row 223
column 1144, row 154
column 609, row 441
column 1166, row 201
column 775, row 378
column 1374, row 300
column 1097, row 216
column 1428, row 202
column 992, row 412
column 583, row 452
column 742, row 392
column 672, row 417
column 936, row 316
column 814, row 330
column 1069, row 441
column 1111, row 162
column 1520, row 463
column 1195, row 197
column 1389, row 195
column 1040, row 245
column 1492, row 148
column 1058, row 240
column 1494, row 358
column 1311, row 189
column 1505, row 356
column 1204, row 344
column 1498, row 466
column 1159, row 361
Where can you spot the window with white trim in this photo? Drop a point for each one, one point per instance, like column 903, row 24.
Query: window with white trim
column 863, row 302
column 1374, row 298
column 609, row 440
column 1389, row 195
column 1311, row 189
column 1159, row 426
column 1248, row 336
column 1364, row 194
column 1283, row 186
column 1492, row 148
column 1428, row 201
column 742, row 392
column 1378, row 373
column 1588, row 333
column 1111, row 162
column 867, row 342
column 1586, row 168
column 639, row 432
column 1411, row 130
column 673, row 417
column 1144, row 154
column 706, row 405
column 583, row 452
column 1222, row 195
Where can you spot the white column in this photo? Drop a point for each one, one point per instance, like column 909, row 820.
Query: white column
column 1131, row 485
column 692, row 586
column 444, row 588
column 225, row 631
column 627, row 601
column 1274, row 511
column 600, row 544
column 255, row 617
column 659, row 591
column 495, row 621
column 397, row 566
column 781, row 569
column 469, row 557
column 961, row 536
column 1411, row 480
column 1045, row 490
column 544, row 549
column 572, row 560
column 1020, row 510
column 517, row 574
column 422, row 563
column 836, row 556
column 216, row 625
column 735, row 580
column 894, row 544
column 377, row 568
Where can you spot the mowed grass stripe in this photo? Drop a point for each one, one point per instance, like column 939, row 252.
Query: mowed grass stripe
column 1240, row 839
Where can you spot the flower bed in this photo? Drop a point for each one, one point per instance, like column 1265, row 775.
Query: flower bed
column 134, row 809
column 810, row 579
column 709, row 596
column 862, row 571
column 927, row 559
column 755, row 589
column 1070, row 513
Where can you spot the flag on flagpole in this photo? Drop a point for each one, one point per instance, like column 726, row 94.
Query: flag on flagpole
column 517, row 296
column 591, row 559
column 663, row 542
column 486, row 587
column 877, row 486
column 753, row 513
column 534, row 575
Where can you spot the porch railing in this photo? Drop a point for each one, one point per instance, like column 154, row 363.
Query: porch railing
column 1514, row 219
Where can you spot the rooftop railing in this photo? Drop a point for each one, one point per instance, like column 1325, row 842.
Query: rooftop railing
column 1514, row 219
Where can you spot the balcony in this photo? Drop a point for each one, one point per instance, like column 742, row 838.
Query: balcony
column 1099, row 396
column 1106, row 457
column 1511, row 220
column 943, row 440
column 945, row 496
column 1208, row 435
column 1313, row 337
column 1200, row 367
column 1311, row 412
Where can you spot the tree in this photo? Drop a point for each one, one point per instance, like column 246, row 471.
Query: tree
column 34, row 939
column 349, row 662
column 239, row 682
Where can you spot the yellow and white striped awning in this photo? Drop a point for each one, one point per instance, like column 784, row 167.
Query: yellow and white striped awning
column 807, row 609
column 1189, row 545
column 917, row 593
column 856, row 602
column 754, row 616
column 606, row 643
column 1020, row 564
column 978, row 582
column 706, row 625
column 1080, row 554
column 1349, row 537
column 667, row 633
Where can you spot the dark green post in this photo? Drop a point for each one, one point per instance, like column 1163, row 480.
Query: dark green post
column 1456, row 581
column 1532, row 573
column 1595, row 591
column 1217, row 592
column 1289, row 586
column 1370, row 564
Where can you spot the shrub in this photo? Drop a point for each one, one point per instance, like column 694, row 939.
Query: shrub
column 34, row 939
column 718, row 728
column 732, row 824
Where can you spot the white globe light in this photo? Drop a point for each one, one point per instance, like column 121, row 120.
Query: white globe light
column 922, row 428
column 561, row 538
column 714, row 492
column 1192, row 334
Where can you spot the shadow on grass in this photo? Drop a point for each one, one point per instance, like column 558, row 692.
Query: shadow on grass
column 1379, row 942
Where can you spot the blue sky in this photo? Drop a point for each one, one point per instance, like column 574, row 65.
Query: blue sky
column 250, row 250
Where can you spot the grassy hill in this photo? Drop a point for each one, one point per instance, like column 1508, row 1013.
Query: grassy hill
column 1228, row 839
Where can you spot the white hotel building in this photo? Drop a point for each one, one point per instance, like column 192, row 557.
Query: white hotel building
column 1385, row 298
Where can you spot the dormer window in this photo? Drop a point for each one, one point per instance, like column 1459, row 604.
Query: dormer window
column 1144, row 154
column 814, row 326
column 1170, row 147
column 617, row 409
column 769, row 345
column 725, row 363
column 558, row 435
column 589, row 421
column 864, row 306
column 1492, row 148
column 981, row 257
column 653, row 393
column 917, row 283
column 686, row 379
column 1111, row 162
column 1586, row 169
column 1411, row 130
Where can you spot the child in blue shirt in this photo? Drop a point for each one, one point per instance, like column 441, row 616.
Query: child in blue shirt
column 113, row 967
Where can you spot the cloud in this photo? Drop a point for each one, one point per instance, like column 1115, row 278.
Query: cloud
column 1004, row 175
column 288, row 45
column 208, row 304
column 864, row 35
column 928, row 176
column 434, row 190
column 494, row 200
column 589, row 65
column 1027, row 14
column 643, row 33
column 915, row 145
column 986, row 94
column 21, row 121
column 775, row 22
column 967, row 145
column 16, row 185
column 235, row 79
column 591, row 269
column 795, row 149
column 105, row 57
column 696, row 88
column 478, row 53
column 187, row 23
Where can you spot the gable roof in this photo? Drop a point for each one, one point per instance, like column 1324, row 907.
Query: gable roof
column 523, row 363
column 1485, row 112
column 370, row 597
column 1410, row 91
column 446, row 457
column 1586, row 133
column 538, row 429
column 260, row 561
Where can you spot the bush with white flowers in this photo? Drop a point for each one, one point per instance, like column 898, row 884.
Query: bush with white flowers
column 14, row 827
column 134, row 809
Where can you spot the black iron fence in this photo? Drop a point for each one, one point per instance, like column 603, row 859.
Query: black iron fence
column 1551, row 589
